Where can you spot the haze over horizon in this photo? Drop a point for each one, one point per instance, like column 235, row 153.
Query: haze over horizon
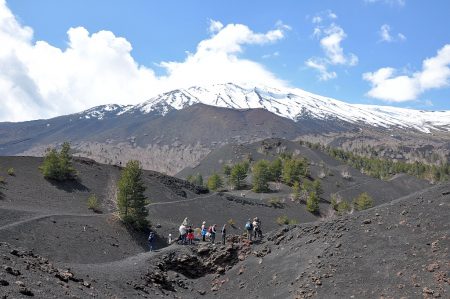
column 61, row 58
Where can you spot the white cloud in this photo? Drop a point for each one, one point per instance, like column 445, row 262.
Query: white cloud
column 39, row 80
column 385, row 33
column 280, row 25
column 321, row 67
column 216, row 59
column 332, row 15
column 331, row 45
column 387, row 86
column 323, row 16
column 386, row 36
column 331, row 37
column 214, row 26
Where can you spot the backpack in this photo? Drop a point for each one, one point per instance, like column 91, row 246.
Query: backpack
column 248, row 225
column 151, row 236
column 210, row 229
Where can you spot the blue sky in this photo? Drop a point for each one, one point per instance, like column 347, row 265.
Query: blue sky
column 358, row 51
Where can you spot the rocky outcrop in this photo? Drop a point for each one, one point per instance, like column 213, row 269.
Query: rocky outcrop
column 26, row 273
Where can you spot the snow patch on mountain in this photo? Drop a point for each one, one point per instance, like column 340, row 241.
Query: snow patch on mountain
column 100, row 112
column 296, row 104
column 292, row 103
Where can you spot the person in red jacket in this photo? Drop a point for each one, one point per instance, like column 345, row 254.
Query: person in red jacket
column 190, row 235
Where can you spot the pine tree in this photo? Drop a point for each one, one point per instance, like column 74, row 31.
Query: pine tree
column 50, row 167
column 131, row 199
column 261, row 176
column 65, row 162
column 296, row 191
column 214, row 182
column 227, row 173
column 58, row 166
column 276, row 169
column 198, row 179
column 293, row 169
column 238, row 175
column 317, row 186
column 312, row 203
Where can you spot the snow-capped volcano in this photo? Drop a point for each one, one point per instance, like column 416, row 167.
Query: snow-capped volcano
column 296, row 104
column 292, row 103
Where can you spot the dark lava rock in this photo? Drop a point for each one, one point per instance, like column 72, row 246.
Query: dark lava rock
column 26, row 291
column 11, row 271
column 4, row 283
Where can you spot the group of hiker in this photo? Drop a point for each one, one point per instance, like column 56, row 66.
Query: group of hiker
column 253, row 229
column 208, row 233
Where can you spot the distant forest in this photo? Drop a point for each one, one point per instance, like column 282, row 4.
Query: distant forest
column 383, row 168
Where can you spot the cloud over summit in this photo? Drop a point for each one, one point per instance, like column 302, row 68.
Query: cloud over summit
column 39, row 80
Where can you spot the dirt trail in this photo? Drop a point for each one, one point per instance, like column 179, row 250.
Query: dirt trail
column 110, row 202
column 17, row 223
column 180, row 201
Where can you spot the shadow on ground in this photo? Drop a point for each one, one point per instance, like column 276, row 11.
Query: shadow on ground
column 140, row 237
column 70, row 186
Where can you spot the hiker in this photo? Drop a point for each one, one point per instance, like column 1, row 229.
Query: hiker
column 257, row 228
column 183, row 234
column 151, row 238
column 170, row 239
column 249, row 229
column 212, row 232
column 190, row 235
column 204, row 231
column 224, row 233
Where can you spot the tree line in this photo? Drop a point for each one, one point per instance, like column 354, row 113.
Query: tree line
column 292, row 171
column 386, row 168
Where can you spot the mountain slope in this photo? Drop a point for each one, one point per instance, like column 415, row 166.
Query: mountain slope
column 296, row 104
column 177, row 129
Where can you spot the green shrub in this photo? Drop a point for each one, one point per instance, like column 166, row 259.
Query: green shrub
column 11, row 171
column 296, row 191
column 2, row 180
column 284, row 220
column 344, row 207
column 334, row 201
column 312, row 203
column 276, row 202
column 340, row 205
column 92, row 203
column 363, row 202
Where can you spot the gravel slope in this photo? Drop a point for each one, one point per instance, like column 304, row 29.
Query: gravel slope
column 54, row 247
